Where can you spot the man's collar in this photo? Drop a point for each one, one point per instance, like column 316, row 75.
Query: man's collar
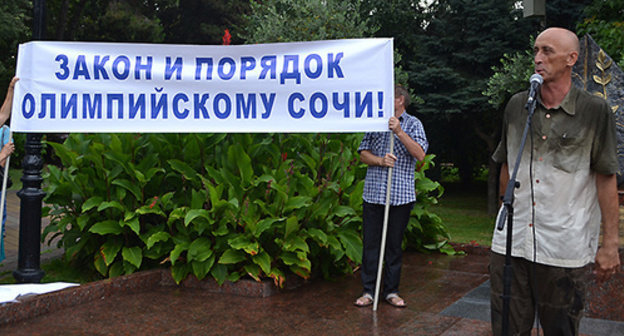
column 568, row 104
column 400, row 117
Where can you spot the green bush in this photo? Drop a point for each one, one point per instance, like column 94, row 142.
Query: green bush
column 262, row 205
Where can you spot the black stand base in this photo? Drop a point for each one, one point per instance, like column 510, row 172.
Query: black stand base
column 28, row 275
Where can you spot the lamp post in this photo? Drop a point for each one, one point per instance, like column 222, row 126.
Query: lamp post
column 535, row 8
column 31, row 195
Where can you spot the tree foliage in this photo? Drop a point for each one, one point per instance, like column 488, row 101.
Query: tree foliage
column 510, row 76
column 293, row 20
column 449, row 70
column 565, row 13
column 202, row 21
column 169, row 21
column 605, row 23
column 15, row 19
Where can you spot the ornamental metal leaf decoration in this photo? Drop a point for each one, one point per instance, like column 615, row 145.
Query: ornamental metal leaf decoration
column 603, row 64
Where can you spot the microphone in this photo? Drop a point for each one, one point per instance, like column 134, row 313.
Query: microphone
column 536, row 81
column 501, row 218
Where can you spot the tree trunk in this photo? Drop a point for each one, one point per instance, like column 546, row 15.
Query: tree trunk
column 493, row 167
column 62, row 21
column 492, row 187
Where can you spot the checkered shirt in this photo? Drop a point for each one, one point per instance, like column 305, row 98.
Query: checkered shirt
column 378, row 143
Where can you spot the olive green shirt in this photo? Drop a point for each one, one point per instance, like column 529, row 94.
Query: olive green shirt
column 566, row 147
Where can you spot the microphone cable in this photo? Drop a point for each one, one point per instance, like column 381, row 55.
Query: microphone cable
column 533, row 264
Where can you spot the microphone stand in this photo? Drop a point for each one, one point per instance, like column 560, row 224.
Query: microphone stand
column 507, row 211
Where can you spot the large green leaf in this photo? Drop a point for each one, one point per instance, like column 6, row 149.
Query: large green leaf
column 289, row 258
column 133, row 255
column 219, row 273
column 100, row 264
column 292, row 225
column 116, row 269
column 265, row 178
column 82, row 221
column 106, row 227
column 177, row 250
column 202, row 268
column 196, row 213
column 253, row 271
column 221, row 230
column 300, row 271
column 65, row 154
column 243, row 162
column 319, row 236
column 91, row 203
column 342, row 211
column 231, row 256
column 352, row 245
column 242, row 242
column 151, row 172
column 427, row 185
column 355, row 198
column 200, row 249
column 111, row 204
column 297, row 202
column 180, row 271
column 263, row 260
column 131, row 187
column 294, row 243
column 198, row 199
column 264, row 225
column 133, row 224
column 157, row 237
column 177, row 214
column 110, row 249
column 184, row 169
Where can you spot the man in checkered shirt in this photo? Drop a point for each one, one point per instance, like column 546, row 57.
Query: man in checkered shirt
column 410, row 145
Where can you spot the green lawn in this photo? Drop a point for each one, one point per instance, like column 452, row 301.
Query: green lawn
column 464, row 212
column 16, row 174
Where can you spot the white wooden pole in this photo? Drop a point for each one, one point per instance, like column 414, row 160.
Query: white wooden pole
column 384, row 231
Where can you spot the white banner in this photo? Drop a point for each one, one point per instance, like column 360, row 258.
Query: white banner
column 320, row 86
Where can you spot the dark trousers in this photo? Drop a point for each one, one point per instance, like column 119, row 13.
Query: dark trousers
column 372, row 226
column 558, row 291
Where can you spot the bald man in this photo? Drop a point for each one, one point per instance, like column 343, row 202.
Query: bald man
column 567, row 188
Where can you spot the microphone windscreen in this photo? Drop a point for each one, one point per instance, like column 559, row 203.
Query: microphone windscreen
column 536, row 78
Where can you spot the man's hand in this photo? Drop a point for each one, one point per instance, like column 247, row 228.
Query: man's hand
column 7, row 150
column 12, row 83
column 388, row 160
column 395, row 125
column 607, row 258
column 607, row 263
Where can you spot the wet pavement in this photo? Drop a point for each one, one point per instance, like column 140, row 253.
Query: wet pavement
column 11, row 241
column 430, row 283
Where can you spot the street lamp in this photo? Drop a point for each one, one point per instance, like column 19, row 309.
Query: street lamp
column 31, row 195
